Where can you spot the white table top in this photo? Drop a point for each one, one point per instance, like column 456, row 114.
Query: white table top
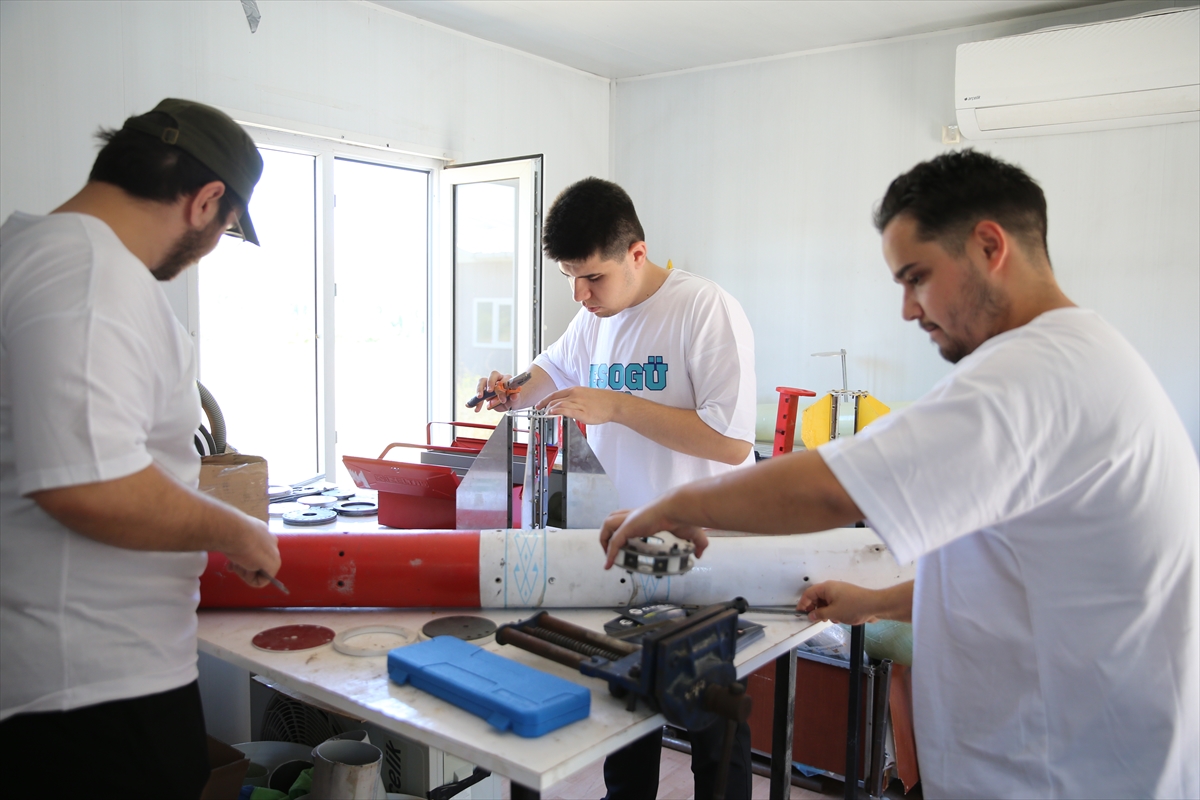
column 360, row 686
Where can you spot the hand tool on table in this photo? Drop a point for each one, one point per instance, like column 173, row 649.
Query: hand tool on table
column 511, row 386
column 278, row 584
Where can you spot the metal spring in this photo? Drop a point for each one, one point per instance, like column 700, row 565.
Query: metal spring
column 572, row 644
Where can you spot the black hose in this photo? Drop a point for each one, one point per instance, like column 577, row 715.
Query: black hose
column 215, row 418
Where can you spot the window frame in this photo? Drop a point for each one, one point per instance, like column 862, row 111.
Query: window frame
column 326, row 147
column 528, row 171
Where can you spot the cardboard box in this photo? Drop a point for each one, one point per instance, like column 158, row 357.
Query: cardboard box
column 237, row 479
column 228, row 770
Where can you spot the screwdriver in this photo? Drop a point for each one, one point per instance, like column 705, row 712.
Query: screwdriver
column 511, row 386
column 278, row 584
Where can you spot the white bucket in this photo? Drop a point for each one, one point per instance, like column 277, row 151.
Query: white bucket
column 345, row 770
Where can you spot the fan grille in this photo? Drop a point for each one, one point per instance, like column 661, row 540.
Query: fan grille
column 288, row 720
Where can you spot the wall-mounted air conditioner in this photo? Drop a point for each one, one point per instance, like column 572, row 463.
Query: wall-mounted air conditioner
column 1142, row 70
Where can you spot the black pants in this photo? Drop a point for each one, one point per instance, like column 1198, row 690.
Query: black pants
column 631, row 773
column 143, row 747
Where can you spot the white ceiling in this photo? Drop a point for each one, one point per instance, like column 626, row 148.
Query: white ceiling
column 627, row 38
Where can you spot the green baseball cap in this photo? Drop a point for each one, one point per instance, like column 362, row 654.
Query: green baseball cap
column 215, row 140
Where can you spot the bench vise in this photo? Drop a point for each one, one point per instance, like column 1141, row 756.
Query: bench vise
column 683, row 669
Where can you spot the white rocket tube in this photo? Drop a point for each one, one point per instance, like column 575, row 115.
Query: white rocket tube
column 553, row 568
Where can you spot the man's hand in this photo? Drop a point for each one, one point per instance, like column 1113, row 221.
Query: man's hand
column 492, row 384
column 837, row 601
column 257, row 559
column 589, row 406
column 621, row 526
column 538, row 386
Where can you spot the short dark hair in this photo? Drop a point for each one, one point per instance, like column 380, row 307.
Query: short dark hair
column 591, row 216
column 151, row 169
column 948, row 195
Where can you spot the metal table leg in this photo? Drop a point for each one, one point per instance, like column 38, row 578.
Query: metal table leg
column 854, row 719
column 781, row 727
column 883, row 681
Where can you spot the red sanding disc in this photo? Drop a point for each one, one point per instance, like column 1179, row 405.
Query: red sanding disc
column 293, row 637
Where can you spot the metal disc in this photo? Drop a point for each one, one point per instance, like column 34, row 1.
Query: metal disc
column 311, row 516
column 293, row 637
column 357, row 508
column 279, row 491
column 317, row 501
column 460, row 627
column 337, row 494
column 279, row 509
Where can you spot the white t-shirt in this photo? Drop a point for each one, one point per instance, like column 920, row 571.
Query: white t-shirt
column 688, row 345
column 1051, row 492
column 98, row 380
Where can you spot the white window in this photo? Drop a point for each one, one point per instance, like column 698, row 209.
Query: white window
column 487, row 281
column 330, row 339
column 494, row 322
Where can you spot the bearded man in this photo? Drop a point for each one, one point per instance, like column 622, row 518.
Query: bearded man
column 102, row 531
column 1047, row 488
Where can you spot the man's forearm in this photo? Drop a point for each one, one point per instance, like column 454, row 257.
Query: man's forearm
column 795, row 493
column 895, row 602
column 148, row 510
column 679, row 429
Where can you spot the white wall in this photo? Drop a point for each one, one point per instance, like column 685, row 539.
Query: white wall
column 68, row 67
column 762, row 176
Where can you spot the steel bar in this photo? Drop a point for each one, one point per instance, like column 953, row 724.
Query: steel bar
column 854, row 711
column 506, row 634
column 781, row 726
column 583, row 634
column 883, row 682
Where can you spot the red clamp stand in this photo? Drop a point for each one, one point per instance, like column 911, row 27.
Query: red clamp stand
column 785, row 419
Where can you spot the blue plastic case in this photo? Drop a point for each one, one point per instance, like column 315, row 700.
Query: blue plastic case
column 507, row 694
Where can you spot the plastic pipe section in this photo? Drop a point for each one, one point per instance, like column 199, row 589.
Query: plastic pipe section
column 545, row 568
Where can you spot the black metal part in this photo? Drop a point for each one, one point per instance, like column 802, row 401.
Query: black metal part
column 357, row 508
column 781, row 726
column 310, row 516
column 882, row 691
column 726, row 758
column 460, row 626
column 731, row 703
column 507, row 424
column 446, row 791
column 520, row 792
column 854, row 712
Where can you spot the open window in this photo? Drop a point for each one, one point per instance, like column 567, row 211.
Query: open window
column 486, row 287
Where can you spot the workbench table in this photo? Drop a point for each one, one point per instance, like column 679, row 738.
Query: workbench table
column 359, row 687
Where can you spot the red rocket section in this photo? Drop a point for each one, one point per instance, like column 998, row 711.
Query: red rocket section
column 409, row 569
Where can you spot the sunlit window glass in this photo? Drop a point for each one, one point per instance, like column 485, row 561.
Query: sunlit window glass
column 381, row 223
column 258, row 323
